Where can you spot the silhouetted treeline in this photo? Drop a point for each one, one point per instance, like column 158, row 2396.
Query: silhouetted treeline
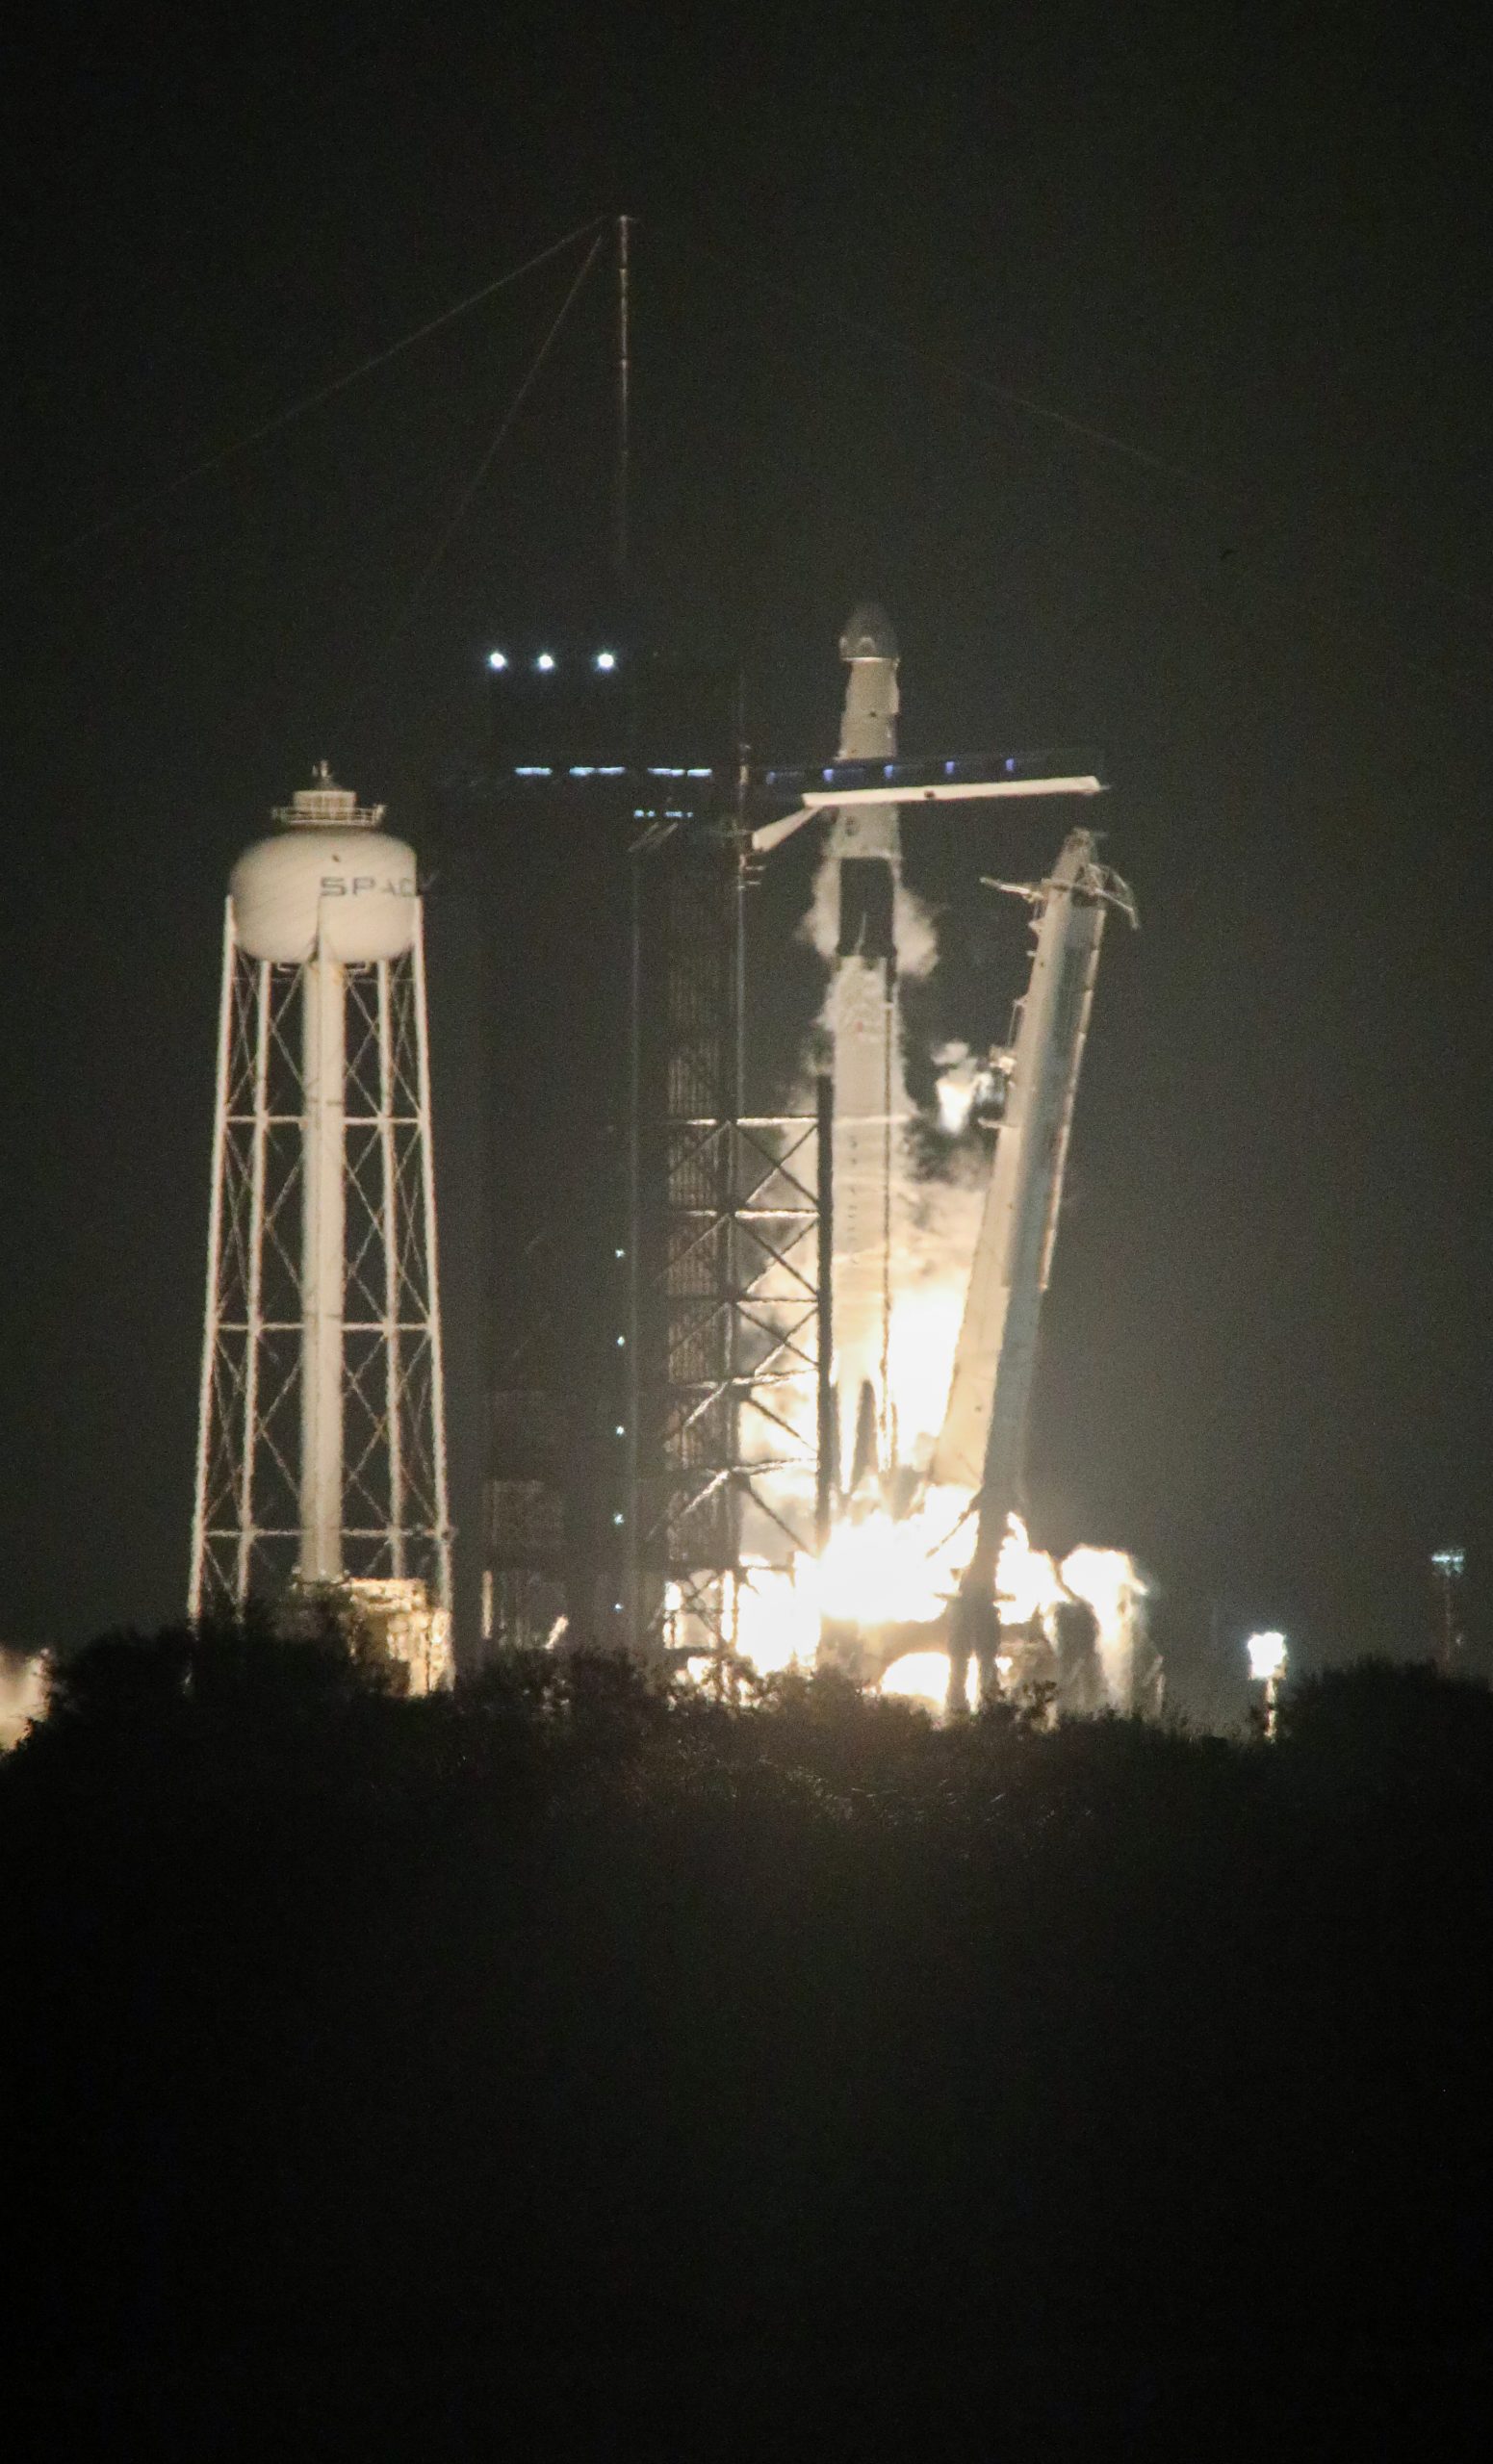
column 562, row 2067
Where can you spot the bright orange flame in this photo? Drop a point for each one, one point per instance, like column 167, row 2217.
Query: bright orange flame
column 923, row 1677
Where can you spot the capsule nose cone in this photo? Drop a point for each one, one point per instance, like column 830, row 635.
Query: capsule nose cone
column 868, row 634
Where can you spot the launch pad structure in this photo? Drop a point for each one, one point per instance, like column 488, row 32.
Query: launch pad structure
column 660, row 1321
column 727, row 1290
column 692, row 1298
column 688, row 1347
column 682, row 1428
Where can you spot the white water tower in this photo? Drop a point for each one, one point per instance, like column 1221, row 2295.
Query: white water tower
column 321, row 1439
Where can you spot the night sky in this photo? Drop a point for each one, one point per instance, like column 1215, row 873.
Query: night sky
column 1137, row 360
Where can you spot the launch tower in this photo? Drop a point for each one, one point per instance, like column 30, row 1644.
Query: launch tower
column 653, row 1285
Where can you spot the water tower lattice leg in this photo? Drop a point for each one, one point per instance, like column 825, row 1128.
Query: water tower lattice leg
column 321, row 1268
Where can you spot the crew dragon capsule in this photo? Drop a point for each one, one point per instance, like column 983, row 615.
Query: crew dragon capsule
column 865, row 853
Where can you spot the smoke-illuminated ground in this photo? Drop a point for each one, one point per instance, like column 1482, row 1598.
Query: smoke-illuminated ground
column 889, row 1572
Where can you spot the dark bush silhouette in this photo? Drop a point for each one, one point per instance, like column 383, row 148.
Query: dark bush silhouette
column 1378, row 1719
column 581, row 2063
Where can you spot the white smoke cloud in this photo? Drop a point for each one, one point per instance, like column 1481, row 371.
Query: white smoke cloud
column 955, row 1087
column 23, row 1694
column 914, row 927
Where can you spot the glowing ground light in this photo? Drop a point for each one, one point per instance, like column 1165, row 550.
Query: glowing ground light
column 607, row 661
column 496, row 660
column 1266, row 1657
column 923, row 1677
column 545, row 662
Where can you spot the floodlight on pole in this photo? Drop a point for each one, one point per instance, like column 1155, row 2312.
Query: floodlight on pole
column 1449, row 1565
column 1266, row 1668
column 1266, row 1657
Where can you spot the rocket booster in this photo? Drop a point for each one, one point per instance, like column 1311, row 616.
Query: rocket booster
column 864, row 849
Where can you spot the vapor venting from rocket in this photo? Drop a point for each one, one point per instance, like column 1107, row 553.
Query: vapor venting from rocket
column 914, row 932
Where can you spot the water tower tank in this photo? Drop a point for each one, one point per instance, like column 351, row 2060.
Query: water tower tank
column 331, row 869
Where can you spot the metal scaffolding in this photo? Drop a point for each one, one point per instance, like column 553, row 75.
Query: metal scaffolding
column 660, row 1287
column 727, row 1297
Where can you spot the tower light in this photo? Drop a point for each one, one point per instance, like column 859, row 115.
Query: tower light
column 1267, row 1654
column 1449, row 1565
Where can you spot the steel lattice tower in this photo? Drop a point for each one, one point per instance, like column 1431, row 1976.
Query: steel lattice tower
column 321, row 1443
column 727, row 1321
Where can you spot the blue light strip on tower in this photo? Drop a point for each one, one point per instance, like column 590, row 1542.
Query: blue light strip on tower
column 1068, row 770
column 967, row 769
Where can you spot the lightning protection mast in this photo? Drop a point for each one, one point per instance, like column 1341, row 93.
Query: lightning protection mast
column 322, row 1438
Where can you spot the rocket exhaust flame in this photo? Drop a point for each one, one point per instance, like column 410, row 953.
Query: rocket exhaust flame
column 884, row 1574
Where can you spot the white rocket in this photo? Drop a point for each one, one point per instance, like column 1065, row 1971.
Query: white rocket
column 992, row 1380
column 863, row 1022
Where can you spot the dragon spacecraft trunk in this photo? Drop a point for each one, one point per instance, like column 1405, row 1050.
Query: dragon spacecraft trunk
column 862, row 1016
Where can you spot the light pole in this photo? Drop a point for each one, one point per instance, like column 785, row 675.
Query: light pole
column 1266, row 1668
column 1449, row 1565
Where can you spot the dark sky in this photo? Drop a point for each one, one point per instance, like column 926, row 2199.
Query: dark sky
column 1238, row 254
